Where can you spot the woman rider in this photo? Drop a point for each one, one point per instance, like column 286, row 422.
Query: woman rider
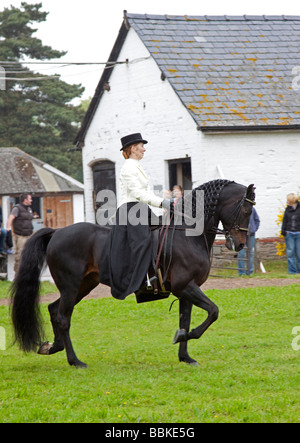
column 129, row 251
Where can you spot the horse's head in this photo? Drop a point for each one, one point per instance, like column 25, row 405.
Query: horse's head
column 235, row 214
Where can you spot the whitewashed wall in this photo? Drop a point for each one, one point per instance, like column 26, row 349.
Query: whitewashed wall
column 139, row 101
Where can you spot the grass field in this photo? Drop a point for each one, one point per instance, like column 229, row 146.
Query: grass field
column 248, row 370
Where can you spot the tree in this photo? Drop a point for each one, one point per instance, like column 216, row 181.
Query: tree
column 38, row 115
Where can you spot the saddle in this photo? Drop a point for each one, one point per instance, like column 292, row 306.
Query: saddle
column 154, row 285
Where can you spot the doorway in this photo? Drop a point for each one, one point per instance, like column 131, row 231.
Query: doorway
column 104, row 175
column 180, row 173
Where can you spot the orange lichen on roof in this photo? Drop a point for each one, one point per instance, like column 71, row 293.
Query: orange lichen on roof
column 204, row 96
column 239, row 114
column 172, row 71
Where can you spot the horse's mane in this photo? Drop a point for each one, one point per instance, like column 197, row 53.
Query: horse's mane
column 212, row 190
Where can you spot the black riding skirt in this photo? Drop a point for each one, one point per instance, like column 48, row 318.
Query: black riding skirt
column 128, row 252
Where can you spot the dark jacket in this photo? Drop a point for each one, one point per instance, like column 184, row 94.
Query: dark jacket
column 22, row 224
column 291, row 220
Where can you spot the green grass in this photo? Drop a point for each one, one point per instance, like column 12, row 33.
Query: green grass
column 248, row 371
column 46, row 288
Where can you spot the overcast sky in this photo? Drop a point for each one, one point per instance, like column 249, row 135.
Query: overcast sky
column 88, row 29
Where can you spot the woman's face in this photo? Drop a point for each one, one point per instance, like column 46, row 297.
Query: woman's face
column 177, row 192
column 137, row 151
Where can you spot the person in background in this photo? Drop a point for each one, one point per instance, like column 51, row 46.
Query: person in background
column 177, row 193
column 20, row 221
column 290, row 229
column 254, row 223
column 2, row 236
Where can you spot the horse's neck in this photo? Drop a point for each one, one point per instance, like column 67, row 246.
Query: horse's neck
column 210, row 238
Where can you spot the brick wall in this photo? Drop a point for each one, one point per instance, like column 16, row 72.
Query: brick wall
column 265, row 250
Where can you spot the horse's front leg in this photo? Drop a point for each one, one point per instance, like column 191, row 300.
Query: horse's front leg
column 192, row 295
column 185, row 310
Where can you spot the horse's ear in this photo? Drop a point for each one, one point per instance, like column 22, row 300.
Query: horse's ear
column 250, row 192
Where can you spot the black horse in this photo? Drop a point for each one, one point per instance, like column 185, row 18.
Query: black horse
column 73, row 255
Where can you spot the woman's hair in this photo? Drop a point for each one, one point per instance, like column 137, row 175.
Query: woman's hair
column 178, row 187
column 291, row 199
column 126, row 152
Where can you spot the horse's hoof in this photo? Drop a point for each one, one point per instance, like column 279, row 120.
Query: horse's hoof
column 80, row 365
column 45, row 348
column 180, row 335
column 189, row 361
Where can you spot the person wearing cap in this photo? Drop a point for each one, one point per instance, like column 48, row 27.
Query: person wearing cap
column 129, row 253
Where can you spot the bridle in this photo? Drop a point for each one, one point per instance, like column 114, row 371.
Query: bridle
column 236, row 213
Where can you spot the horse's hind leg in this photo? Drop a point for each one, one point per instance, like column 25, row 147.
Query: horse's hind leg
column 65, row 311
column 60, row 314
column 58, row 345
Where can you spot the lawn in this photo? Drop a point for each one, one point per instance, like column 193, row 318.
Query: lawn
column 248, row 370
column 46, row 288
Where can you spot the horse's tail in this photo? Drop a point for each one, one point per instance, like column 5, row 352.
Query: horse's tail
column 25, row 290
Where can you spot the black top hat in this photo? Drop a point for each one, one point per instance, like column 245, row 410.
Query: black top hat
column 131, row 139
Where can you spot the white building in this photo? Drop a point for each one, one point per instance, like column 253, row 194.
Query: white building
column 216, row 97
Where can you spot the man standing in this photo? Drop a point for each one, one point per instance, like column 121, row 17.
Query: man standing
column 21, row 220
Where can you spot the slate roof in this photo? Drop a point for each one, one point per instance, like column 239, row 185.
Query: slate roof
column 231, row 72
column 228, row 71
column 20, row 172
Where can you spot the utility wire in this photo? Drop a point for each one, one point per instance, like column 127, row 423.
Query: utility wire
column 60, row 63
column 109, row 65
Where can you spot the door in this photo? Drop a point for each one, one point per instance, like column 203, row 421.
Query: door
column 104, row 180
column 58, row 211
